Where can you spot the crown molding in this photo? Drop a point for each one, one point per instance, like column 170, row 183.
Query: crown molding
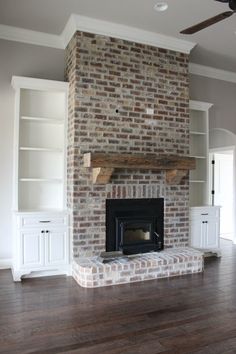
column 200, row 106
column 69, row 31
column 110, row 29
column 212, row 73
column 91, row 25
column 17, row 34
column 38, row 84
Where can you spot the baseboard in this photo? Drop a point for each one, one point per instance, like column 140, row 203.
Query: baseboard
column 43, row 274
column 20, row 274
column 5, row 263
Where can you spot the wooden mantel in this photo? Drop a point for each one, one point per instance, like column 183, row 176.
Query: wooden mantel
column 103, row 165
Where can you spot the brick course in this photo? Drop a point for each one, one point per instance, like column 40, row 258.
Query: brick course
column 112, row 82
column 92, row 273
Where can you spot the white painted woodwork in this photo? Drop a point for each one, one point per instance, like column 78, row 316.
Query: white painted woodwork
column 41, row 242
column 32, row 248
column 42, row 220
column 205, row 228
column 56, row 247
column 199, row 148
column 224, row 191
column 39, row 144
column 204, row 219
column 92, row 25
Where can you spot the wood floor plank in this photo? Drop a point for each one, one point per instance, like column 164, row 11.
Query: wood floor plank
column 193, row 314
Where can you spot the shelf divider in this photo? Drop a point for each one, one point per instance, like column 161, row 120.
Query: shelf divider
column 43, row 120
column 28, row 148
column 49, row 180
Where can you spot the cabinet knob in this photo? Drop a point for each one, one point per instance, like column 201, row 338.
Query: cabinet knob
column 42, row 231
column 47, row 231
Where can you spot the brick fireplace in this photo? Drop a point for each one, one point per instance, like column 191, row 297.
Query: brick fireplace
column 112, row 83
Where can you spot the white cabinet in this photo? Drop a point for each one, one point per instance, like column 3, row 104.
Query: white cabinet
column 199, row 148
column 39, row 191
column 56, row 247
column 205, row 228
column 31, row 249
column 41, row 244
column 43, row 247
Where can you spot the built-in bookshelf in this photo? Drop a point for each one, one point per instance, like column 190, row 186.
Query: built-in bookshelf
column 199, row 148
column 41, row 241
column 40, row 127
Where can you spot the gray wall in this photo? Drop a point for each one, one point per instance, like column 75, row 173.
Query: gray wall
column 23, row 60
column 222, row 94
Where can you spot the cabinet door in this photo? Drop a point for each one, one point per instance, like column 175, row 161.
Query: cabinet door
column 32, row 248
column 212, row 234
column 197, row 230
column 56, row 248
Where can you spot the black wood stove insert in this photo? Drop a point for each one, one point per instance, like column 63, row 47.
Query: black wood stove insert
column 134, row 225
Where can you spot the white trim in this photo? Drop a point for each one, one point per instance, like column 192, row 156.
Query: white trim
column 231, row 147
column 212, row 73
column 19, row 82
column 224, row 148
column 115, row 30
column 92, row 25
column 69, row 31
column 200, row 106
column 17, row 34
column 49, row 273
column 5, row 263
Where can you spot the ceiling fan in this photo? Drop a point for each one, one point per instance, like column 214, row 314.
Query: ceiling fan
column 212, row 20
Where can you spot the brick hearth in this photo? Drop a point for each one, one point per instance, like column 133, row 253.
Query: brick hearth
column 91, row 273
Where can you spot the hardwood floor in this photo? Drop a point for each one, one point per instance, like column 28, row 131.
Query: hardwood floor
column 188, row 314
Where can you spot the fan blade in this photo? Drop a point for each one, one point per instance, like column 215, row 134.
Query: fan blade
column 222, row 0
column 207, row 23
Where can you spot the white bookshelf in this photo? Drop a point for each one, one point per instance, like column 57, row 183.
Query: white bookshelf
column 40, row 176
column 199, row 148
column 40, row 125
column 204, row 219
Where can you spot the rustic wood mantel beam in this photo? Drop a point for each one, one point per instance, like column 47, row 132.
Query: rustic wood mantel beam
column 104, row 164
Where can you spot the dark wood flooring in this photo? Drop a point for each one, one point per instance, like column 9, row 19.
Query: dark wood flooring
column 188, row 314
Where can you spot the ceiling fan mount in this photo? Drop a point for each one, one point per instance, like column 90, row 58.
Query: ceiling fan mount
column 232, row 4
column 211, row 21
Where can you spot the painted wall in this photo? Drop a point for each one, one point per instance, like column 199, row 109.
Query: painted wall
column 222, row 94
column 23, row 60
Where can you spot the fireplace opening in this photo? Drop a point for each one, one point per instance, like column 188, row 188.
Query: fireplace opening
column 136, row 232
column 134, row 225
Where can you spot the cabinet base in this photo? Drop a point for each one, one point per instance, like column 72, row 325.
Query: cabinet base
column 214, row 252
column 36, row 273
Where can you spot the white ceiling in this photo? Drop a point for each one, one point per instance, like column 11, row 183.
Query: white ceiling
column 216, row 44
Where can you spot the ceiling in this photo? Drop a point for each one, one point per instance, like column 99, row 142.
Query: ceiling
column 216, row 44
